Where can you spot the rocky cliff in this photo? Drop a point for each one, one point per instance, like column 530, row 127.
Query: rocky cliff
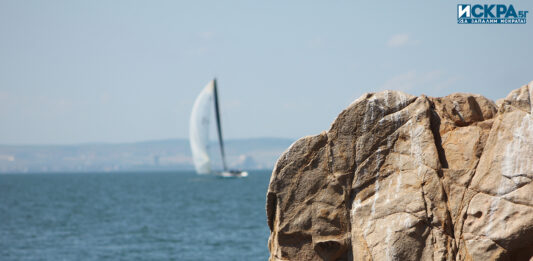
column 400, row 177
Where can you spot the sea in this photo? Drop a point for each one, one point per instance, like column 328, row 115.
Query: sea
column 133, row 216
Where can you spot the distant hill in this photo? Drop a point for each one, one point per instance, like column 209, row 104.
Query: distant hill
column 171, row 154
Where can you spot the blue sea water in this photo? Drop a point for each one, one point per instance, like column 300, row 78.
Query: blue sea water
column 132, row 216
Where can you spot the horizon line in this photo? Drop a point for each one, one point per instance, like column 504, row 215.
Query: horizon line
column 129, row 142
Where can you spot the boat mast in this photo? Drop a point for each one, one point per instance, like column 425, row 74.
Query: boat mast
column 219, row 127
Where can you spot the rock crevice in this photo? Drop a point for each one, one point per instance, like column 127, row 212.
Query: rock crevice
column 400, row 177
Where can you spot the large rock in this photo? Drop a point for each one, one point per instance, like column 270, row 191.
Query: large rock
column 399, row 177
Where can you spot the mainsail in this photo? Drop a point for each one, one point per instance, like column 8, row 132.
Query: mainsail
column 199, row 128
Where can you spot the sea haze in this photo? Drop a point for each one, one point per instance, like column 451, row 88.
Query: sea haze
column 133, row 216
column 172, row 154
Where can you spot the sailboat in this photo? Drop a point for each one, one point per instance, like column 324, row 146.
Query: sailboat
column 199, row 133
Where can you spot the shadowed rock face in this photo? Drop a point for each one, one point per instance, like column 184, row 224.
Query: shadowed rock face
column 400, row 177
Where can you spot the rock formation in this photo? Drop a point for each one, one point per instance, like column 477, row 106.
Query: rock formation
column 400, row 177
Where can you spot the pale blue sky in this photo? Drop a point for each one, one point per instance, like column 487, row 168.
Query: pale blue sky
column 120, row 71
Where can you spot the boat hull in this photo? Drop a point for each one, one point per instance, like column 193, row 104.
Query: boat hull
column 232, row 174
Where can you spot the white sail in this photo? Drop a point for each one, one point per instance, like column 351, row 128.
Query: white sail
column 199, row 129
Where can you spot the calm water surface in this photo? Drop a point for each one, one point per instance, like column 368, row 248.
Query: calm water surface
column 132, row 216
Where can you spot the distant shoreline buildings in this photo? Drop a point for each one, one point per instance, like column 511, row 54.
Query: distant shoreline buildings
column 161, row 155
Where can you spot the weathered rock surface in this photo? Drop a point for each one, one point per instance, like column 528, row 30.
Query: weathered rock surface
column 399, row 177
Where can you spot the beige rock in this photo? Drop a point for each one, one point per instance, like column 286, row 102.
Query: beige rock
column 399, row 177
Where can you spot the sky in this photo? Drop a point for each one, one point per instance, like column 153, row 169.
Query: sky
column 125, row 71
